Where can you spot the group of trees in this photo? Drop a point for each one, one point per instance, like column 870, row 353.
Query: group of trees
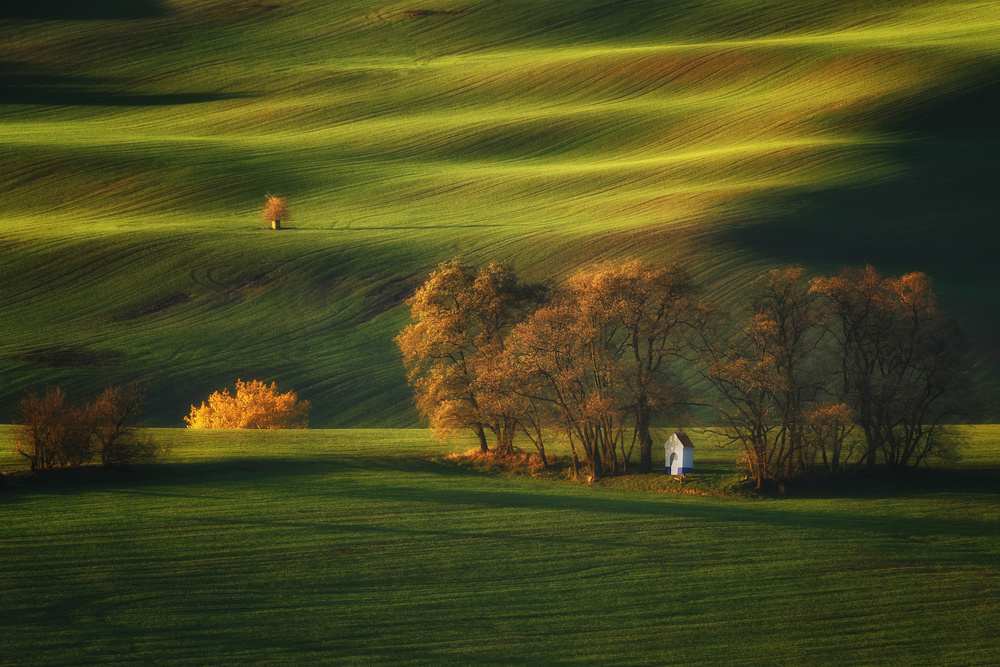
column 255, row 405
column 589, row 359
column 834, row 372
column 852, row 370
column 52, row 432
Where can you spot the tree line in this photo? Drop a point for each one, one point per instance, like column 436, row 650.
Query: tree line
column 837, row 373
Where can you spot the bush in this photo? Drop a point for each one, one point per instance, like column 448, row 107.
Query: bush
column 51, row 432
column 255, row 405
column 47, row 431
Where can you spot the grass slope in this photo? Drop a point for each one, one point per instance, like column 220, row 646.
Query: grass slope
column 349, row 547
column 139, row 140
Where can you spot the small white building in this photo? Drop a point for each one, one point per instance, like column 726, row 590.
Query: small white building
column 678, row 454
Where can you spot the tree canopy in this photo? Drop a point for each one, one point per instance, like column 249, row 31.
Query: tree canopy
column 829, row 373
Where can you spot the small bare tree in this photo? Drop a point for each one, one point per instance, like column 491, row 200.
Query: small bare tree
column 49, row 431
column 117, row 440
column 275, row 210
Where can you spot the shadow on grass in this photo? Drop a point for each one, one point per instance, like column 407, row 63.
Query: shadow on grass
column 911, row 483
column 81, row 10
column 30, row 84
column 25, row 89
column 177, row 476
column 438, row 490
column 937, row 214
column 944, row 200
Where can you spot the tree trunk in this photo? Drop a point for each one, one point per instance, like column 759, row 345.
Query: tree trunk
column 483, row 447
column 276, row 224
column 642, row 433
column 596, row 465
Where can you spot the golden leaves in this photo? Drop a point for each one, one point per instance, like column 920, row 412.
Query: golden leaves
column 275, row 209
column 255, row 405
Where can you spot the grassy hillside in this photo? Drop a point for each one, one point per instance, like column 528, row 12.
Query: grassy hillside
column 347, row 547
column 139, row 140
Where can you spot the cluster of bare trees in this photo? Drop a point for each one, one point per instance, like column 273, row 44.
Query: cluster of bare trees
column 839, row 372
column 852, row 370
column 51, row 431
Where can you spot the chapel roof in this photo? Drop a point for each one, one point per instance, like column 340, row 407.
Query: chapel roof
column 684, row 439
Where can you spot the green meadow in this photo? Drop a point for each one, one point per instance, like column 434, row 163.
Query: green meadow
column 138, row 141
column 368, row 546
column 140, row 138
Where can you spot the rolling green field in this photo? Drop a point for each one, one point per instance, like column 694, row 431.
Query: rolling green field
column 139, row 139
column 364, row 546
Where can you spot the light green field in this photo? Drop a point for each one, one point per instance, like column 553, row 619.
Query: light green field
column 139, row 139
column 306, row 547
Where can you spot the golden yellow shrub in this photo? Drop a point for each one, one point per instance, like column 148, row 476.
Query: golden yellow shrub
column 255, row 405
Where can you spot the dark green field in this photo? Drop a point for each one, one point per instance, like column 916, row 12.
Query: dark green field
column 139, row 139
column 353, row 547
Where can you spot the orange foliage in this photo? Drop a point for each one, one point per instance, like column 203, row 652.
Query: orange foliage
column 763, row 375
column 50, row 431
column 275, row 208
column 482, row 354
column 460, row 318
column 903, row 368
column 255, row 405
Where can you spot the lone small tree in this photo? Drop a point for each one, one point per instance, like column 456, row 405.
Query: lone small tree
column 116, row 438
column 275, row 210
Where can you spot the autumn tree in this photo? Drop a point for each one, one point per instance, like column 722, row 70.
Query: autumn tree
column 894, row 365
column 596, row 355
column 613, row 326
column 275, row 210
column 505, row 403
column 646, row 314
column 764, row 377
column 51, row 431
column 116, row 437
column 254, row 405
column 461, row 317
column 832, row 432
column 901, row 362
column 562, row 352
